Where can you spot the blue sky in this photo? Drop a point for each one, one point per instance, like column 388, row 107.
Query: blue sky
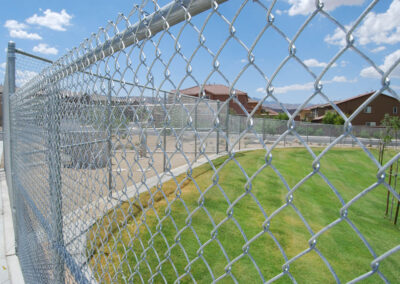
column 51, row 28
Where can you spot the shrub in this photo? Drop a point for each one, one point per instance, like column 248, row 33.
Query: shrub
column 319, row 132
column 332, row 118
column 282, row 116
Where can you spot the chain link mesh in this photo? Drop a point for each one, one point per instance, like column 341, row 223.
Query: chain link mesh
column 121, row 177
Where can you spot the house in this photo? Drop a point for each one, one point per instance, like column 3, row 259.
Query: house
column 221, row 93
column 269, row 111
column 372, row 115
column 251, row 104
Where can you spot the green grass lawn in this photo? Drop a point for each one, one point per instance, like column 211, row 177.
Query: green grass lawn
column 119, row 249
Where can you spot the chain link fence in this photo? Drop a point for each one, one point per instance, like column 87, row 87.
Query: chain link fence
column 114, row 175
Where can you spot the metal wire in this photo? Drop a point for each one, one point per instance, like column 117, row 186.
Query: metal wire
column 93, row 138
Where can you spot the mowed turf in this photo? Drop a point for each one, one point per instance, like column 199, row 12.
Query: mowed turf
column 192, row 231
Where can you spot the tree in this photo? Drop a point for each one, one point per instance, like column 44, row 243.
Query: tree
column 331, row 117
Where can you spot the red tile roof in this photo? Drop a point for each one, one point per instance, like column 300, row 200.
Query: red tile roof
column 213, row 89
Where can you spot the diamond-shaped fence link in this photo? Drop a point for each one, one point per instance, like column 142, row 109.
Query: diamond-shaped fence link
column 116, row 174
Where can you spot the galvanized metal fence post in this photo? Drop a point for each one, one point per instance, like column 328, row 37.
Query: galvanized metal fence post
column 9, row 90
column 218, row 117
column 109, row 137
column 165, row 135
column 53, row 126
column 195, row 134
column 307, row 131
column 263, row 128
column 240, row 129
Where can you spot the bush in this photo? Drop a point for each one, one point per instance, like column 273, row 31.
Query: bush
column 319, row 132
column 332, row 118
column 97, row 116
column 302, row 130
column 270, row 127
column 311, row 131
column 282, row 116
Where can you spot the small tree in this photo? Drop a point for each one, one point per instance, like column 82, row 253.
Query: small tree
column 392, row 124
column 392, row 127
column 282, row 116
column 332, row 118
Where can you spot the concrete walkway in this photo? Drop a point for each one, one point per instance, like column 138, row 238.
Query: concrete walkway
column 10, row 269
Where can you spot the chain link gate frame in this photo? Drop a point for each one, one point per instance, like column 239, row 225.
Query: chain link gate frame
column 75, row 129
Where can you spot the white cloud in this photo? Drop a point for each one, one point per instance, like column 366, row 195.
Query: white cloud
column 3, row 65
column 337, row 38
column 24, row 76
column 304, row 7
column 24, row 35
column 382, row 27
column 378, row 49
column 295, row 87
column 285, row 89
column 244, row 60
column 14, row 25
column 45, row 49
column 312, row 62
column 17, row 30
column 369, row 72
column 52, row 20
column 340, row 79
column 378, row 28
column 306, row 86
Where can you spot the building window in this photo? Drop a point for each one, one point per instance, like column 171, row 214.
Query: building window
column 371, row 123
column 368, row 109
column 395, row 110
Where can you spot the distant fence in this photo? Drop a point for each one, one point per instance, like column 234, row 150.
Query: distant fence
column 92, row 139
